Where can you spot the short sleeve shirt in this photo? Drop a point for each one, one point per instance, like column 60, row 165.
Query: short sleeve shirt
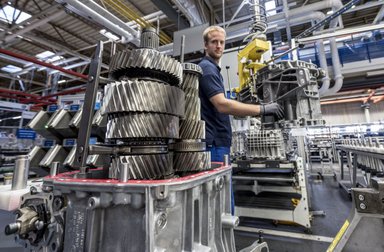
column 217, row 125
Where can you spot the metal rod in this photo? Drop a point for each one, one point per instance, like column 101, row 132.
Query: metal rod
column 54, row 169
column 41, row 63
column 182, row 49
column 20, row 174
column 88, row 111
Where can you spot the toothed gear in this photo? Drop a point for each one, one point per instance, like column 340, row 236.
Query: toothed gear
column 192, row 108
column 156, row 166
column 192, row 161
column 145, row 62
column 143, row 96
column 191, row 129
column 142, row 125
column 190, row 81
column 189, row 146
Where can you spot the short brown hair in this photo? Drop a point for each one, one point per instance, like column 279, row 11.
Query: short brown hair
column 210, row 29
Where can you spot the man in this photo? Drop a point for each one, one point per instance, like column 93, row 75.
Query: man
column 215, row 107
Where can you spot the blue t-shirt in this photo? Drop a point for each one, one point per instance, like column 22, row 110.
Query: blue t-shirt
column 217, row 125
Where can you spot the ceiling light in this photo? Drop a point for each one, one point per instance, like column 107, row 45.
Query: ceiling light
column 11, row 69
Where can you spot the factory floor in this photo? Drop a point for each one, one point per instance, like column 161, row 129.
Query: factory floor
column 326, row 195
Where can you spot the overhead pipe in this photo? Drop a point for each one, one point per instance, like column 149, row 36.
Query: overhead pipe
column 16, row 92
column 190, row 11
column 41, row 63
column 326, row 81
column 17, row 78
column 375, row 99
column 124, row 10
column 61, row 48
column 90, row 9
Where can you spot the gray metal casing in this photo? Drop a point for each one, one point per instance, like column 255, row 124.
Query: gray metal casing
column 185, row 214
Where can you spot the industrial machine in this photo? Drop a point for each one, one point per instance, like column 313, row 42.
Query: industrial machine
column 156, row 190
column 269, row 175
column 364, row 228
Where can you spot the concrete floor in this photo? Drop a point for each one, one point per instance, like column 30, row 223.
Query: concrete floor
column 326, row 196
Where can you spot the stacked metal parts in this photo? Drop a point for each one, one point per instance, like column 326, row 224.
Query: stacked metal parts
column 140, row 205
column 60, row 129
column 144, row 106
column 190, row 154
column 364, row 228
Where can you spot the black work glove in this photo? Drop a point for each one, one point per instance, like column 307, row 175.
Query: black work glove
column 272, row 109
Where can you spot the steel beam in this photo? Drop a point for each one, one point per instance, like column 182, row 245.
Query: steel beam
column 171, row 13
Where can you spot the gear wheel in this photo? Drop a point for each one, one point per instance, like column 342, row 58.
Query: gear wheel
column 191, row 129
column 192, row 108
column 143, row 96
column 192, row 161
column 157, row 166
column 187, row 146
column 190, row 81
column 142, row 125
column 146, row 62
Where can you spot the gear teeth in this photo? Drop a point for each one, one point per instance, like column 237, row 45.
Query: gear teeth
column 189, row 146
column 143, row 96
column 190, row 81
column 142, row 125
column 192, row 108
column 128, row 63
column 191, row 129
column 156, row 166
column 192, row 161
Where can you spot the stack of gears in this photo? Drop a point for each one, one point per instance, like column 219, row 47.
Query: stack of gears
column 144, row 107
column 189, row 151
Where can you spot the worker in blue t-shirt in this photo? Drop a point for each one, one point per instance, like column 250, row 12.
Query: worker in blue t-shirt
column 215, row 107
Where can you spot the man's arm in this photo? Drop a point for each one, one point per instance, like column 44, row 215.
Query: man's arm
column 232, row 107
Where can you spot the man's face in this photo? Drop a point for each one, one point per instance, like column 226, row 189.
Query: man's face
column 215, row 45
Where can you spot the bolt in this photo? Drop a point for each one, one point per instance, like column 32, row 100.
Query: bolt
column 90, row 78
column 33, row 190
column 39, row 225
column 363, row 206
column 361, row 197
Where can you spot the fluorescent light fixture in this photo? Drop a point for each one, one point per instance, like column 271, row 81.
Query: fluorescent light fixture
column 109, row 35
column 330, row 12
column 11, row 69
column 16, row 117
column 8, row 12
column 44, row 55
column 61, row 81
column 48, row 56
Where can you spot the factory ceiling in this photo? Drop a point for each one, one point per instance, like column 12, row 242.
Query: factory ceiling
column 65, row 32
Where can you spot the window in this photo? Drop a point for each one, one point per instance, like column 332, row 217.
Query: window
column 8, row 14
column 11, row 69
column 270, row 7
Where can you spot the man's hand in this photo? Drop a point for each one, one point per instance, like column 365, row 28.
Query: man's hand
column 272, row 109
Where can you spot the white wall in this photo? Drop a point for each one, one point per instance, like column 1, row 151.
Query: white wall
column 348, row 113
column 230, row 59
